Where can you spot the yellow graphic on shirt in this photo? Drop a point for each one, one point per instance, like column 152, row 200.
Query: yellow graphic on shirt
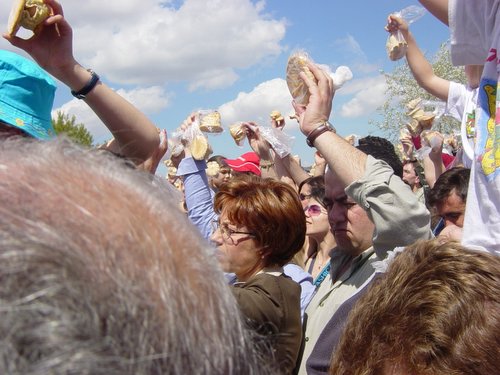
column 491, row 157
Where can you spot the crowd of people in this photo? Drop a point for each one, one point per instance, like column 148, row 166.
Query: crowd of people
column 382, row 259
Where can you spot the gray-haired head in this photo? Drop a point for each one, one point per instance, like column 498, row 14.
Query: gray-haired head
column 101, row 274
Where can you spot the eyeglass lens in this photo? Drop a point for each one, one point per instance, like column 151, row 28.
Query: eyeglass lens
column 313, row 210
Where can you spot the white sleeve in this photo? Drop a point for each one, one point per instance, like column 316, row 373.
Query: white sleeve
column 473, row 28
column 455, row 106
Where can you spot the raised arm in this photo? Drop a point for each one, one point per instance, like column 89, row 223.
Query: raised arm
column 433, row 163
column 399, row 220
column 345, row 161
column 262, row 148
column 52, row 49
column 421, row 68
column 439, row 8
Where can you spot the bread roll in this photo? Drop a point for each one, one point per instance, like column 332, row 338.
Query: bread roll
column 298, row 89
column 28, row 14
column 396, row 47
column 199, row 147
column 238, row 133
column 276, row 116
column 210, row 122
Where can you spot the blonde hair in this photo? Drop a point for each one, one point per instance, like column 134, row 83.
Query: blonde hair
column 436, row 311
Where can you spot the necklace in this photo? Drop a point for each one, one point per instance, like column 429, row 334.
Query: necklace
column 320, row 265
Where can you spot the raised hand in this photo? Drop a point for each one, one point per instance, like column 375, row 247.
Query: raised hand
column 52, row 46
column 320, row 102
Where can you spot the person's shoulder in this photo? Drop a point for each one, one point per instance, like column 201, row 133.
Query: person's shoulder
column 275, row 283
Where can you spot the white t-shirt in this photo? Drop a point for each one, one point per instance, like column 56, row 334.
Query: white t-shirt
column 475, row 39
column 462, row 103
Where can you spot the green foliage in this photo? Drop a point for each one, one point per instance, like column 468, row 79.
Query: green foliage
column 402, row 88
column 78, row 133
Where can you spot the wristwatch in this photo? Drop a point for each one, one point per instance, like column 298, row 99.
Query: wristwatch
column 323, row 127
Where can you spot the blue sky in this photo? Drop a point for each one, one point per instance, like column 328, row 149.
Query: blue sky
column 172, row 57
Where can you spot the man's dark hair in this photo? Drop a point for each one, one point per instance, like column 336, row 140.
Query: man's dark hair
column 381, row 148
column 455, row 179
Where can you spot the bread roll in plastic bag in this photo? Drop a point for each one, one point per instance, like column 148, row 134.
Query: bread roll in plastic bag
column 396, row 45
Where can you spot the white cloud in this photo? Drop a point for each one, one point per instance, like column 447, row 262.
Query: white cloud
column 257, row 104
column 369, row 95
column 349, row 44
column 149, row 100
column 353, row 51
column 148, row 42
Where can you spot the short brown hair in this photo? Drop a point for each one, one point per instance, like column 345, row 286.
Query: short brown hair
column 436, row 311
column 269, row 208
column 453, row 180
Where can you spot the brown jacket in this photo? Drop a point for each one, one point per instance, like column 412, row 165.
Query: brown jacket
column 272, row 306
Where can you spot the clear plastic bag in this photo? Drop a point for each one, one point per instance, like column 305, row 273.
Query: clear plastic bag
column 238, row 132
column 280, row 142
column 438, row 107
column 278, row 139
column 396, row 45
column 431, row 140
column 209, row 121
column 297, row 62
column 196, row 141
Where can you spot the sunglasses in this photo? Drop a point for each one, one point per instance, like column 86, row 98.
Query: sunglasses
column 314, row 210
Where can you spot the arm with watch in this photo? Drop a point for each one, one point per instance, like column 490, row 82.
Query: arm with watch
column 52, row 49
column 344, row 160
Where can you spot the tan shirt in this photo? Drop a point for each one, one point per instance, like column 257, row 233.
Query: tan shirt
column 330, row 296
column 399, row 218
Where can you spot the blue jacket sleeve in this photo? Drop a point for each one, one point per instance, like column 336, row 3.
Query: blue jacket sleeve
column 198, row 194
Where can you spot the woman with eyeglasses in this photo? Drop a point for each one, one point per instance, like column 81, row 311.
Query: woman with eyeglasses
column 319, row 236
column 261, row 226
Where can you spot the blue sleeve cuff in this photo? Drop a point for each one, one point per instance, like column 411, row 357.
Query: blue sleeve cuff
column 190, row 166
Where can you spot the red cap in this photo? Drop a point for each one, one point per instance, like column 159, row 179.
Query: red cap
column 248, row 162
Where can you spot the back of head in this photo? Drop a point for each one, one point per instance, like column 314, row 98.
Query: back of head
column 26, row 95
column 453, row 180
column 381, row 148
column 94, row 273
column 434, row 312
column 269, row 208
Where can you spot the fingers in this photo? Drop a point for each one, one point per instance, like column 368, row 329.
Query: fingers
column 17, row 42
column 56, row 7
column 325, row 81
column 163, row 146
column 299, row 108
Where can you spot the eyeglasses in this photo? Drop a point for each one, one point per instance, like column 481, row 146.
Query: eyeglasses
column 303, row 197
column 314, row 210
column 227, row 232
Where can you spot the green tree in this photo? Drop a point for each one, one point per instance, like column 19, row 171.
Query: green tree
column 402, row 88
column 64, row 124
